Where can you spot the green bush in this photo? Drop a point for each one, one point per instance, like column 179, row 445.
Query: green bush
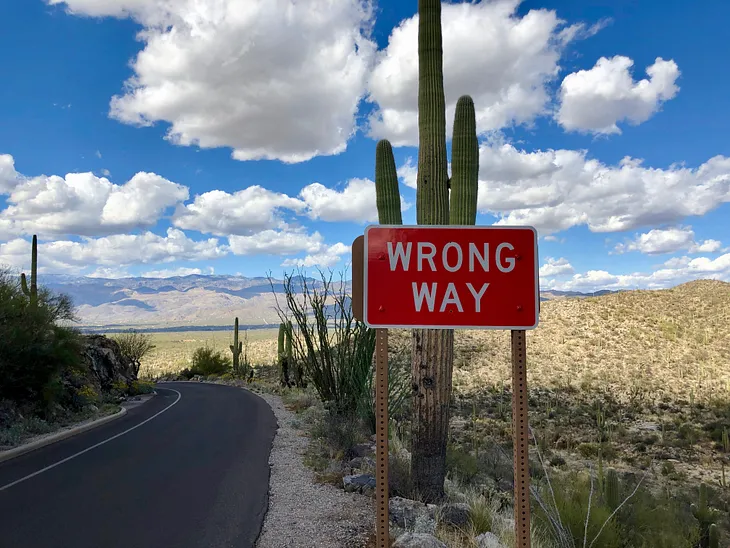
column 207, row 361
column 34, row 349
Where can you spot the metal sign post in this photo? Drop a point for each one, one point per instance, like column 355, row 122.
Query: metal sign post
column 520, row 440
column 382, row 527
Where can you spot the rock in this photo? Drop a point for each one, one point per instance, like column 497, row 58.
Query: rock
column 405, row 512
column 363, row 450
column 488, row 540
column 102, row 357
column 361, row 462
column 418, row 540
column 455, row 513
column 355, row 483
column 92, row 408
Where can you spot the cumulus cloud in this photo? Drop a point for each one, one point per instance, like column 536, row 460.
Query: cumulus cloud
column 668, row 240
column 273, row 79
column 242, row 213
column 112, row 251
column 555, row 267
column 408, row 173
column 505, row 61
column 110, row 273
column 554, row 190
column 328, row 257
column 8, row 175
column 596, row 100
column 87, row 205
column 356, row 202
column 173, row 272
column 676, row 271
column 276, row 242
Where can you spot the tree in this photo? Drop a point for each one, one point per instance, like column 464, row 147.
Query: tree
column 134, row 346
column 439, row 201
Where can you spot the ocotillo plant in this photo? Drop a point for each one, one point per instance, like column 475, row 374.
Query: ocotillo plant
column 432, row 350
column 236, row 349
column 284, row 353
column 32, row 292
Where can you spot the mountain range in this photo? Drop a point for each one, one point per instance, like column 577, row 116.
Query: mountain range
column 187, row 301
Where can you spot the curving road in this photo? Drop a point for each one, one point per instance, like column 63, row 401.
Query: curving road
column 188, row 469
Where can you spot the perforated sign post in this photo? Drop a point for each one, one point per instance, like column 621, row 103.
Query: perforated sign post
column 449, row 277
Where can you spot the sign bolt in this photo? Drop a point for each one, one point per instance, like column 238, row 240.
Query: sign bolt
column 381, row 308
column 381, row 256
column 518, row 257
column 519, row 308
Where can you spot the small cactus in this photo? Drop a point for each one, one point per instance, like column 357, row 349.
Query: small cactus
column 32, row 292
column 612, row 489
column 705, row 516
column 284, row 353
column 236, row 349
column 713, row 537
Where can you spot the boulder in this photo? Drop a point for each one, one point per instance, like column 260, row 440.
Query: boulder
column 363, row 450
column 406, row 512
column 360, row 463
column 102, row 357
column 418, row 540
column 489, row 540
column 455, row 513
column 356, row 483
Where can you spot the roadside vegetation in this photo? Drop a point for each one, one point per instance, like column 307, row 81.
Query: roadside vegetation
column 629, row 407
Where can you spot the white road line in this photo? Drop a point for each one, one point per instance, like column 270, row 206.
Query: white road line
column 16, row 482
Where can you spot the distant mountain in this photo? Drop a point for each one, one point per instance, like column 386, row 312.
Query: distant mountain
column 186, row 301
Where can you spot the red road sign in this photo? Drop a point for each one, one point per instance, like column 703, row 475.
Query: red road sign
column 450, row 277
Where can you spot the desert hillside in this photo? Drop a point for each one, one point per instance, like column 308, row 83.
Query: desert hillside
column 633, row 344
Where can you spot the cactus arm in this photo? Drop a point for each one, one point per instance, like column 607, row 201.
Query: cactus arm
column 432, row 194
column 34, row 270
column 713, row 536
column 464, row 164
column 24, row 285
column 387, row 195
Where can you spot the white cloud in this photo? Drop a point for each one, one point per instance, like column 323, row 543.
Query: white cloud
column 503, row 60
column 555, row 267
column 8, row 176
column 272, row 242
column 676, row 271
column 242, row 213
column 112, row 251
column 109, row 273
column 84, row 204
column 596, row 100
column 328, row 257
column 554, row 190
column 171, row 273
column 275, row 79
column 408, row 173
column 669, row 240
column 356, row 202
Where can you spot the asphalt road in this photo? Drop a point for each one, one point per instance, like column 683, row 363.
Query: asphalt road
column 195, row 475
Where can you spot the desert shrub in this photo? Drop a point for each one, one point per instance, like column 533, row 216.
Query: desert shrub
column 34, row 348
column 207, row 361
column 340, row 432
column 137, row 388
column 645, row 519
column 335, row 349
column 461, row 464
column 399, row 390
column 134, row 346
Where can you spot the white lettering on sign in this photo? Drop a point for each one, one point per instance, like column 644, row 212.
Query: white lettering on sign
column 427, row 256
column 418, row 296
column 478, row 296
column 483, row 259
column 451, row 297
column 445, row 256
column 400, row 253
column 452, row 260
column 510, row 260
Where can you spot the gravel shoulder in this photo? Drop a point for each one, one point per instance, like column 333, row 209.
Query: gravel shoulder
column 302, row 513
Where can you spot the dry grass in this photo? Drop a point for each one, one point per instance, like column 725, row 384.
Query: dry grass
column 672, row 342
column 173, row 350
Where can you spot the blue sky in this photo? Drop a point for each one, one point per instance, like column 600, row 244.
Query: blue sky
column 234, row 136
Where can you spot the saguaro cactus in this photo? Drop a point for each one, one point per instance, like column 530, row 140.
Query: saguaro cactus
column 284, row 353
column 432, row 350
column 706, row 517
column 32, row 292
column 236, row 349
